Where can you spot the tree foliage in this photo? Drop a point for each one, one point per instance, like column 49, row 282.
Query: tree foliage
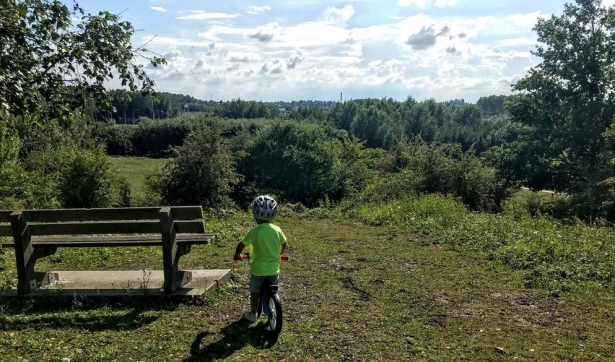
column 568, row 101
column 51, row 65
column 202, row 171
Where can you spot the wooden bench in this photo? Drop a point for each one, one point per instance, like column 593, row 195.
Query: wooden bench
column 38, row 233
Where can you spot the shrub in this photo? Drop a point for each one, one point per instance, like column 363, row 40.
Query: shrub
column 157, row 138
column 82, row 177
column 202, row 172
column 117, row 138
column 22, row 189
column 298, row 162
column 9, row 143
column 422, row 168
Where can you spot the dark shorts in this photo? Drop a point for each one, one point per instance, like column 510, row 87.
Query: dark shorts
column 256, row 282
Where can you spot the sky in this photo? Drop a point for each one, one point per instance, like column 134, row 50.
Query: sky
column 274, row 50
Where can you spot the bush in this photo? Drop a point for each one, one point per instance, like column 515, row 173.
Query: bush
column 83, row 178
column 21, row 189
column 157, row 138
column 9, row 143
column 302, row 162
column 117, row 138
column 422, row 168
column 202, row 172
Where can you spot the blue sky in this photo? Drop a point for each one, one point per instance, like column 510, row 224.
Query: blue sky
column 314, row 49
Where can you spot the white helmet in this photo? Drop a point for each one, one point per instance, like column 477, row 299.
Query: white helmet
column 264, row 208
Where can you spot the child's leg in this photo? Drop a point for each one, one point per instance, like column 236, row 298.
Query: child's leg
column 254, row 297
column 255, row 288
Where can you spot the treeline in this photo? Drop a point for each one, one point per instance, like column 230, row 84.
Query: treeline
column 127, row 107
column 381, row 123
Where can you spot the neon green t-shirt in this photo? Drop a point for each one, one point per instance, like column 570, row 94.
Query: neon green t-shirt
column 264, row 241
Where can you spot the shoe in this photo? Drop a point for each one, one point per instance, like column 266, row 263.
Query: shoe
column 250, row 317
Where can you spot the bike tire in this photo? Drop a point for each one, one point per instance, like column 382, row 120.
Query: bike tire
column 276, row 318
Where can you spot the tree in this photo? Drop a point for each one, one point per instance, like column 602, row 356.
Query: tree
column 202, row 171
column 568, row 100
column 49, row 66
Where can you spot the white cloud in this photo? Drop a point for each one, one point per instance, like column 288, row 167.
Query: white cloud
column 418, row 55
column 265, row 33
column 512, row 42
column 256, row 10
column 423, row 4
column 158, row 8
column 337, row 16
column 202, row 15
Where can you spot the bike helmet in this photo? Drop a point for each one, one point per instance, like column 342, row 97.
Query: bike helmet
column 264, row 208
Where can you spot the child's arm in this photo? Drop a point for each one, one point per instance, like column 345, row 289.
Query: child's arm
column 282, row 248
column 238, row 251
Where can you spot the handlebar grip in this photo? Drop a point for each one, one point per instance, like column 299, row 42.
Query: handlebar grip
column 284, row 257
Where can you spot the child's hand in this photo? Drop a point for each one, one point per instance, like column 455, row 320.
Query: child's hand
column 237, row 257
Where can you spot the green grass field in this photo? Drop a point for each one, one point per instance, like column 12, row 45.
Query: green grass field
column 350, row 292
column 134, row 169
column 418, row 279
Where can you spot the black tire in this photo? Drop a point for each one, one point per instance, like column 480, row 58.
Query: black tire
column 276, row 319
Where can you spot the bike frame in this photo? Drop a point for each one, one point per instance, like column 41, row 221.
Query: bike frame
column 269, row 292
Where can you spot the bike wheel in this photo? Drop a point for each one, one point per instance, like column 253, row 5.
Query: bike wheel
column 275, row 318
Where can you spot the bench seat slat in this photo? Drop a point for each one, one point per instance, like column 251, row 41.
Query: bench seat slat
column 97, row 241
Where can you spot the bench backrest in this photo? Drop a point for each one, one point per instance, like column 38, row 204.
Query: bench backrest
column 129, row 220
column 5, row 223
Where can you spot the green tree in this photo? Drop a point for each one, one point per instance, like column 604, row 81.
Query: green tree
column 49, row 66
column 202, row 171
column 568, row 100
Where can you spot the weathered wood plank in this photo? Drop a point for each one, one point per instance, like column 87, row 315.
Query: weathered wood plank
column 189, row 227
column 90, row 228
column 126, row 227
column 6, row 230
column 110, row 241
column 110, row 214
column 5, row 215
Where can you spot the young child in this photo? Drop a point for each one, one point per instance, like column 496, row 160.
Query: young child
column 266, row 242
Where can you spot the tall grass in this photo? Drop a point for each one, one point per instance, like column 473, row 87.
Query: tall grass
column 557, row 256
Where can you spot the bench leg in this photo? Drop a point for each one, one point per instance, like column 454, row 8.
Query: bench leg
column 29, row 280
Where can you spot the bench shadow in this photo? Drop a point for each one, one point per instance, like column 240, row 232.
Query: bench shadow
column 119, row 314
column 237, row 335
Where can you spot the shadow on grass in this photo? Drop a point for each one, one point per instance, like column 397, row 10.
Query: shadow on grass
column 91, row 314
column 237, row 335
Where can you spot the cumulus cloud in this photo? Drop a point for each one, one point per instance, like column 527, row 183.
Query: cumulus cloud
column 202, row 15
column 256, row 10
column 242, row 57
column 327, row 57
column 452, row 50
column 427, row 3
column 424, row 39
column 265, row 33
column 293, row 61
column 337, row 16
column 158, row 8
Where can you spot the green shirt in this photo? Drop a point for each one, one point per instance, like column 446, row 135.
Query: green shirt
column 264, row 241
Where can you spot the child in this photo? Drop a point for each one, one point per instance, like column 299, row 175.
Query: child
column 267, row 242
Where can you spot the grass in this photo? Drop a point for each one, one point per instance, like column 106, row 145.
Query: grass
column 135, row 169
column 353, row 290
column 416, row 279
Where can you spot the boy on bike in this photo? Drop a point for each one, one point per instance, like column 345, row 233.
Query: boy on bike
column 266, row 242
